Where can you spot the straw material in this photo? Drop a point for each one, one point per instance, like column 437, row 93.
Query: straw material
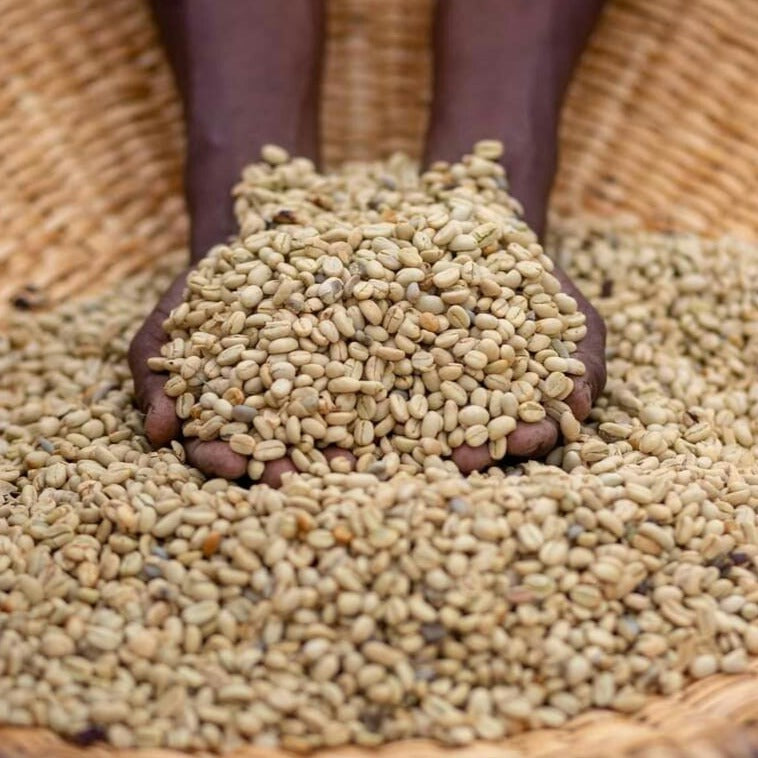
column 660, row 122
column 661, row 118
column 377, row 78
column 714, row 718
column 90, row 146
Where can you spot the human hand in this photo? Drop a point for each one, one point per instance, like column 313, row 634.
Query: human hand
column 243, row 83
column 502, row 73
column 162, row 425
column 537, row 439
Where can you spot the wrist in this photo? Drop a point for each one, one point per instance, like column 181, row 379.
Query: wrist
column 523, row 116
column 244, row 82
column 501, row 71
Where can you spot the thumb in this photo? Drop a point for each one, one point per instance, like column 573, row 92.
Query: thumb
column 590, row 351
column 161, row 422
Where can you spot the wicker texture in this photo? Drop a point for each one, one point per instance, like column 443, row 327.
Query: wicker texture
column 659, row 122
column 90, row 146
column 713, row 718
column 377, row 78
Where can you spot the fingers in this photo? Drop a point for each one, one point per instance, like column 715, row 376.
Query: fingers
column 215, row 458
column 590, row 351
column 161, row 423
column 537, row 440
column 330, row 453
column 533, row 440
column 526, row 441
column 273, row 472
column 580, row 399
column 276, row 470
column 469, row 459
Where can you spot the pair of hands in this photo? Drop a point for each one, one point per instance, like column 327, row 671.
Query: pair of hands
column 216, row 458
column 247, row 79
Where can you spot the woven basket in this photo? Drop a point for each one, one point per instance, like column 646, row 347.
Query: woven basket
column 660, row 122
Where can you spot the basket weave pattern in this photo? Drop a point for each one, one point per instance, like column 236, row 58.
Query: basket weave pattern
column 661, row 117
column 90, row 146
column 660, row 121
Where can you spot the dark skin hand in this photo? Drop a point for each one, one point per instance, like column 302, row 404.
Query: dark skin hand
column 537, row 440
column 243, row 84
column 500, row 72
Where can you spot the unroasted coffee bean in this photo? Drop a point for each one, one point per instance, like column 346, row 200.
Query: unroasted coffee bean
column 146, row 605
column 380, row 298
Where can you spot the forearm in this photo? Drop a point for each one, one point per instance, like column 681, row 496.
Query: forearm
column 247, row 74
column 501, row 71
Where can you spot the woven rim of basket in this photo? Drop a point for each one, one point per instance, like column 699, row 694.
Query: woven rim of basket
column 660, row 122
